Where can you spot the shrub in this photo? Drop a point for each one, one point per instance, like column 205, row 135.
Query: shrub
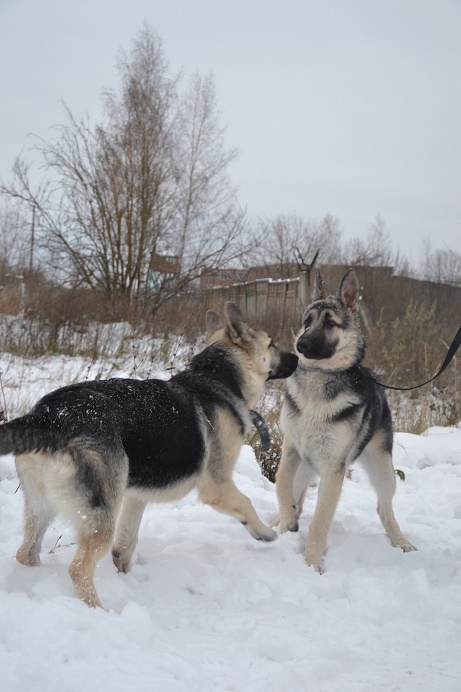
column 407, row 349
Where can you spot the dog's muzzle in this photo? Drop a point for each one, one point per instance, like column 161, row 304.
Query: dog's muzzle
column 315, row 347
column 285, row 367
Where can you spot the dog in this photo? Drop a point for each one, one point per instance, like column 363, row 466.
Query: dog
column 92, row 450
column 333, row 414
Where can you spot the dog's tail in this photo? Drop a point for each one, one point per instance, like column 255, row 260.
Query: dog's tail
column 25, row 434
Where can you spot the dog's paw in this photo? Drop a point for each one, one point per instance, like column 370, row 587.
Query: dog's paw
column 401, row 541
column 265, row 534
column 318, row 566
column 288, row 525
column 28, row 557
column 408, row 547
column 121, row 562
column 268, row 538
column 315, row 556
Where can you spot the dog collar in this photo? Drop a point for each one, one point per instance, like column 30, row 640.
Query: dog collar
column 307, row 368
column 262, row 428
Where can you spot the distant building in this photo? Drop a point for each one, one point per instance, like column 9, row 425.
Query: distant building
column 163, row 271
column 285, row 270
column 222, row 277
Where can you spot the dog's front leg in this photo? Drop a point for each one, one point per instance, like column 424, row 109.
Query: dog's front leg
column 226, row 497
column 284, row 479
column 126, row 537
column 329, row 492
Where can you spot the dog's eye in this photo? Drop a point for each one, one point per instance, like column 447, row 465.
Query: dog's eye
column 330, row 323
column 308, row 322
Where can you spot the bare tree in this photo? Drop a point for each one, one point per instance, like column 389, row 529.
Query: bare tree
column 208, row 223
column 279, row 239
column 329, row 233
column 441, row 266
column 285, row 239
column 374, row 251
column 16, row 237
column 150, row 178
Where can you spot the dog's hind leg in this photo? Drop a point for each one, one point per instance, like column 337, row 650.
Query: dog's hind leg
column 126, row 536
column 38, row 512
column 226, row 497
column 91, row 497
column 291, row 485
column 35, row 526
column 331, row 483
column 377, row 462
column 94, row 541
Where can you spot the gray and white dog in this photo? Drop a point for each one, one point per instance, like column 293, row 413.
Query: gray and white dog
column 333, row 414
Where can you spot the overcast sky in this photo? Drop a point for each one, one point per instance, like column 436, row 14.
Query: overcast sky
column 348, row 107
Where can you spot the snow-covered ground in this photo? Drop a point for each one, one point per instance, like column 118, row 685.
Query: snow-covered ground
column 207, row 608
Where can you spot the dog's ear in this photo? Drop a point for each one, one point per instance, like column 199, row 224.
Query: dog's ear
column 320, row 292
column 237, row 328
column 213, row 323
column 348, row 292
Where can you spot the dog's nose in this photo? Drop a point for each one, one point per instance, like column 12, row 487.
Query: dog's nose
column 315, row 347
column 303, row 345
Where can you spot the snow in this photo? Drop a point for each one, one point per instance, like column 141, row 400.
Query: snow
column 207, row 608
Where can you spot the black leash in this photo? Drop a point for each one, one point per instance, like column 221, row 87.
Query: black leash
column 451, row 352
column 261, row 426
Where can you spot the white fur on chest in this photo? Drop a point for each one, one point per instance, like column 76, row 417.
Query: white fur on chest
column 313, row 428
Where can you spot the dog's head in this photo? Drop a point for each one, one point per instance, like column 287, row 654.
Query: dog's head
column 331, row 337
column 259, row 357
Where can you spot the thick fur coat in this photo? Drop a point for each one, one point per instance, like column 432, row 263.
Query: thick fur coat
column 334, row 413
column 96, row 450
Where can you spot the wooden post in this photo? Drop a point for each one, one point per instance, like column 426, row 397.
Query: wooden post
column 305, row 280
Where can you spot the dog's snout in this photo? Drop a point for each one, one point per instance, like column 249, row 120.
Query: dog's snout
column 303, row 345
column 315, row 346
column 310, row 346
column 285, row 367
column 289, row 361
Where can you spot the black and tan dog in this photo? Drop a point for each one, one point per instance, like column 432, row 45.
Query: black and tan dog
column 85, row 448
column 333, row 414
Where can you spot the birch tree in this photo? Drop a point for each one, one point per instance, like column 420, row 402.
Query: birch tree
column 152, row 177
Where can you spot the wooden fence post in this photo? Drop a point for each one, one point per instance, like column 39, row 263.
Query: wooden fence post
column 305, row 279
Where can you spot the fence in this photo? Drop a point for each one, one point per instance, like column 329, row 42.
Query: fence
column 260, row 301
column 279, row 303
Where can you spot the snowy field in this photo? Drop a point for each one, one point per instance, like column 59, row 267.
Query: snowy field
column 206, row 608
